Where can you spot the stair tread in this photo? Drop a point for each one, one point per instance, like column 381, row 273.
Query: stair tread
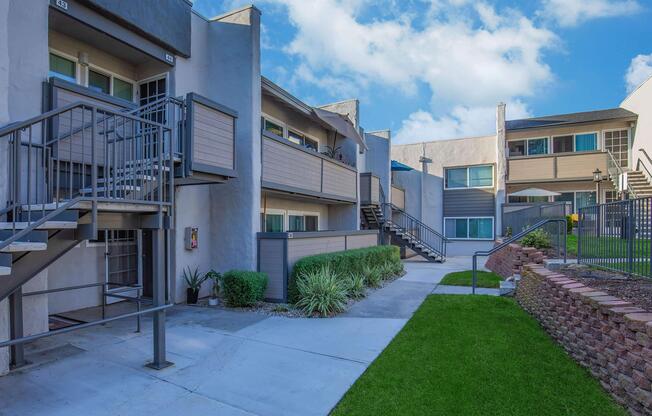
column 48, row 225
column 18, row 246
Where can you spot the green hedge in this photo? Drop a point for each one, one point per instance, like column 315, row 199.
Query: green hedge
column 243, row 288
column 343, row 262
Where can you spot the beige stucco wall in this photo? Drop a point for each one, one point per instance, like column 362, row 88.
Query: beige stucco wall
column 276, row 203
column 294, row 120
column 640, row 102
column 448, row 153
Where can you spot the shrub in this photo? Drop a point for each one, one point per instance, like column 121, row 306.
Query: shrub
column 243, row 288
column 373, row 276
column 321, row 292
column 387, row 270
column 569, row 224
column 537, row 239
column 342, row 263
column 355, row 285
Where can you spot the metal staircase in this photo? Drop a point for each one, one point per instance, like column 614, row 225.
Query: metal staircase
column 72, row 171
column 404, row 230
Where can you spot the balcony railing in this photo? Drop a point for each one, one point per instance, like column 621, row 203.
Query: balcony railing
column 398, row 197
column 562, row 166
column 369, row 189
column 291, row 168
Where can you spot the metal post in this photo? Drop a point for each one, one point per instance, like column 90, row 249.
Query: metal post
column 158, row 276
column 94, row 172
column 630, row 235
column 16, row 328
column 475, row 269
column 565, row 242
column 139, row 266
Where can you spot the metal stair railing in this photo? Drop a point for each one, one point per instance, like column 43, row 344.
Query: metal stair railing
column 640, row 162
column 561, row 223
column 415, row 229
column 617, row 175
column 56, row 155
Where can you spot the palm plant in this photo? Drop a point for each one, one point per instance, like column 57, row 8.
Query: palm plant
column 321, row 293
column 194, row 280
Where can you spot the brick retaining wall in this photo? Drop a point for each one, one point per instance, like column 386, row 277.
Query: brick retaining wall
column 609, row 336
column 511, row 259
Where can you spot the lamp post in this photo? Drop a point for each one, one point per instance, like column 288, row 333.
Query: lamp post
column 597, row 178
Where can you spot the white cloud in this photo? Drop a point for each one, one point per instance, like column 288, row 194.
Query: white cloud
column 461, row 122
column 640, row 69
column 573, row 12
column 461, row 63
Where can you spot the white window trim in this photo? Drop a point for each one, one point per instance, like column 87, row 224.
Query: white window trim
column 274, row 211
column 286, row 129
column 68, row 57
column 493, row 228
column 303, row 214
column 527, row 146
column 629, row 142
column 111, row 76
column 493, row 177
column 598, row 142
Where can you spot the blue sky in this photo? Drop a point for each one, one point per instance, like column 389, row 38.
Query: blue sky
column 435, row 69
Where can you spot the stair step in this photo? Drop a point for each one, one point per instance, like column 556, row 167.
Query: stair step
column 19, row 246
column 128, row 178
column 37, row 212
column 48, row 225
column 117, row 188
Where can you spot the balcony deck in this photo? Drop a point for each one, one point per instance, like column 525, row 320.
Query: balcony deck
column 556, row 167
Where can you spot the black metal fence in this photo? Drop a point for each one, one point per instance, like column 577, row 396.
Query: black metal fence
column 616, row 236
column 518, row 217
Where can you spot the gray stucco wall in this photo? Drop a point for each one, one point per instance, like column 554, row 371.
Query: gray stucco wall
column 225, row 67
column 378, row 160
column 23, row 67
column 165, row 21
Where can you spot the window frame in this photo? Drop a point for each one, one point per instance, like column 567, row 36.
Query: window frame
column 468, row 228
column 598, row 146
column 286, row 132
column 629, row 142
column 468, row 177
column 112, row 75
column 303, row 214
column 527, row 146
column 67, row 57
column 286, row 218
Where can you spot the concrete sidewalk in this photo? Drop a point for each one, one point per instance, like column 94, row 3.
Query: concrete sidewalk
column 226, row 362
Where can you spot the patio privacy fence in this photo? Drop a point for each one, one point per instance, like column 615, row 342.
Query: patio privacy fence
column 518, row 218
column 616, row 236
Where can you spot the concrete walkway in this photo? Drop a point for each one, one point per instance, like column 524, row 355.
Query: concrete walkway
column 226, row 363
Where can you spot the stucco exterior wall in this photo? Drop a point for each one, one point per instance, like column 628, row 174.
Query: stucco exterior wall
column 377, row 159
column 23, row 67
column 640, row 102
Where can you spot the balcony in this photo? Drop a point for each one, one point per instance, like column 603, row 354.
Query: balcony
column 293, row 169
column 398, row 197
column 369, row 189
column 562, row 166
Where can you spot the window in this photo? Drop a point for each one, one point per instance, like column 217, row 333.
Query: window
column 274, row 128
column 99, row 82
column 567, row 197
column 63, row 68
column 123, row 89
column 456, row 178
column 311, row 144
column 312, row 223
column 584, row 199
column 562, row 144
column 273, row 223
column 586, row 142
column 473, row 228
column 516, row 148
column 537, row 146
column 470, row 177
column 617, row 142
column 296, row 223
column 296, row 138
column 516, row 199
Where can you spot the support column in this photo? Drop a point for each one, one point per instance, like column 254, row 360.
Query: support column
column 16, row 328
column 158, row 294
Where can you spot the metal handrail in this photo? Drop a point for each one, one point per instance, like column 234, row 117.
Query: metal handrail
column 638, row 163
column 619, row 173
column 517, row 237
column 40, row 177
column 416, row 229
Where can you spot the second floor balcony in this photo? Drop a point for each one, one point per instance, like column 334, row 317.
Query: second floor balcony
column 294, row 169
column 561, row 166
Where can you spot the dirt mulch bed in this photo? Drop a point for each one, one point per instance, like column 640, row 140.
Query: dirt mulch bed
column 632, row 289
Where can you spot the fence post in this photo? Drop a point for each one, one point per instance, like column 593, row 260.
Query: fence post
column 630, row 235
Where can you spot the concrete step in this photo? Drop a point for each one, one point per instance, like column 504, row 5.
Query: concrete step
column 22, row 246
column 48, row 225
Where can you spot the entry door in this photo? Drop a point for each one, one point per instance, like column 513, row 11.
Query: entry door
column 150, row 91
column 617, row 142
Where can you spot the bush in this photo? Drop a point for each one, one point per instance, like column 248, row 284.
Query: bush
column 537, row 239
column 321, row 292
column 569, row 224
column 373, row 276
column 343, row 263
column 355, row 285
column 243, row 288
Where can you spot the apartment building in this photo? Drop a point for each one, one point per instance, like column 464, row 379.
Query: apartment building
column 138, row 139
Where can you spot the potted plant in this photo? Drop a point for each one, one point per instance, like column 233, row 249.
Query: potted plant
column 214, row 277
column 194, row 280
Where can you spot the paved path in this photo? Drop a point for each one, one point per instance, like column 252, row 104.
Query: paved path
column 226, row 363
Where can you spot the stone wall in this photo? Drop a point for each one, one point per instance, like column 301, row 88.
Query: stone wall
column 511, row 259
column 609, row 336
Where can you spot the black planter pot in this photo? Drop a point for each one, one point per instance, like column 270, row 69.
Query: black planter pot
column 191, row 296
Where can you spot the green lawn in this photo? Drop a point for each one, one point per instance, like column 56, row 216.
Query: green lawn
column 472, row 356
column 608, row 247
column 571, row 244
column 484, row 279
